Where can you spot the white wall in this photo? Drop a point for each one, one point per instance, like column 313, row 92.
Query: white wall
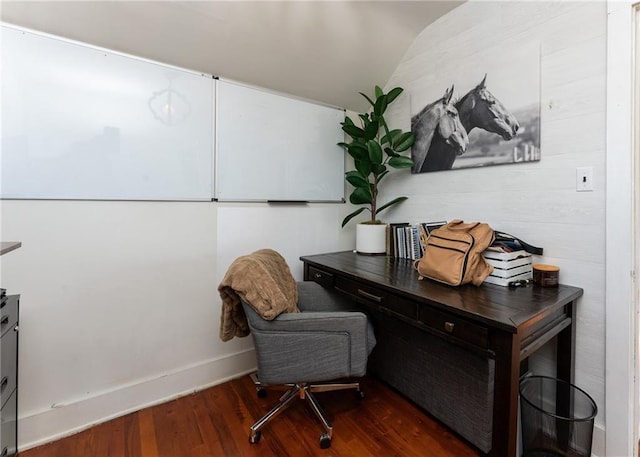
column 119, row 303
column 536, row 201
column 621, row 239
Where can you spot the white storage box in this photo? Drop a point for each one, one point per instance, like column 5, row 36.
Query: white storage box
column 508, row 266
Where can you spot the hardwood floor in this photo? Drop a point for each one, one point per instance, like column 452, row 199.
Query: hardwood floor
column 215, row 423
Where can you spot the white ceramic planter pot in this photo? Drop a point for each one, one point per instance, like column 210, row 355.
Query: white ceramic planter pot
column 371, row 238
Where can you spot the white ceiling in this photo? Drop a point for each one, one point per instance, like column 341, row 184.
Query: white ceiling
column 321, row 50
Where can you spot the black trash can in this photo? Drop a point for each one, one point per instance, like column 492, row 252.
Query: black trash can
column 557, row 418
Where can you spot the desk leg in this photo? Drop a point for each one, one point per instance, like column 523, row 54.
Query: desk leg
column 566, row 347
column 565, row 371
column 505, row 396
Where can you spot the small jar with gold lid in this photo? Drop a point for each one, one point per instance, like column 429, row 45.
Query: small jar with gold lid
column 545, row 275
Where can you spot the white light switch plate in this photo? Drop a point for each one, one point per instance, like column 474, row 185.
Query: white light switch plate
column 584, row 179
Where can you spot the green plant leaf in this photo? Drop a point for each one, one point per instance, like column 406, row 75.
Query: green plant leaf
column 352, row 215
column 400, row 162
column 378, row 168
column 390, row 152
column 388, row 138
column 353, row 131
column 357, row 150
column 378, row 92
column 393, row 94
column 347, row 121
column 363, row 166
column 383, row 123
column 370, row 131
column 403, row 142
column 381, row 105
column 391, row 203
column 375, row 152
column 368, row 99
column 356, row 179
column 382, row 175
column 361, row 195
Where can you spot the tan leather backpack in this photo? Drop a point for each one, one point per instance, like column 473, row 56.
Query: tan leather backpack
column 453, row 253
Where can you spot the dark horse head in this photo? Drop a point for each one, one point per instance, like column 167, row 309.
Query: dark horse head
column 479, row 108
column 438, row 121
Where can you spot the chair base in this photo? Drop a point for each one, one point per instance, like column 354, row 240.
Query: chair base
column 303, row 391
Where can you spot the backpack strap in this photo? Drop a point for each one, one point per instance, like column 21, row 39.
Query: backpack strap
column 459, row 225
column 501, row 236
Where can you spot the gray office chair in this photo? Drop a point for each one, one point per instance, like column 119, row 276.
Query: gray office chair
column 302, row 351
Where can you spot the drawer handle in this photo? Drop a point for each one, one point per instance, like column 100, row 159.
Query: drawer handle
column 370, row 296
column 5, row 320
column 317, row 275
column 448, row 327
column 3, row 383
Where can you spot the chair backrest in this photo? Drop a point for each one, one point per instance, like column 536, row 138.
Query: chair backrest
column 252, row 317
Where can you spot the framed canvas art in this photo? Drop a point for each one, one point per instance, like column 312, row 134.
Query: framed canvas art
column 487, row 112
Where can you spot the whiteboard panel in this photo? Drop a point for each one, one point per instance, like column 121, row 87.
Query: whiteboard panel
column 273, row 147
column 80, row 122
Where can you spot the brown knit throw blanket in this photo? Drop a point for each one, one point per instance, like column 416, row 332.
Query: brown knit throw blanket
column 263, row 280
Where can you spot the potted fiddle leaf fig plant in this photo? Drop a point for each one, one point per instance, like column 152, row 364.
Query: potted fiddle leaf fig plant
column 374, row 148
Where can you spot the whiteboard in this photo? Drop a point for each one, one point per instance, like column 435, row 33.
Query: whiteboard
column 81, row 122
column 276, row 148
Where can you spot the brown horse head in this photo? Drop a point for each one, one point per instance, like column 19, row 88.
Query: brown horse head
column 479, row 108
column 437, row 120
column 450, row 127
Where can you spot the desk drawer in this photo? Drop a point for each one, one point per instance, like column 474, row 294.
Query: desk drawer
column 8, row 365
column 378, row 298
column 8, row 427
column 455, row 326
column 9, row 313
column 321, row 277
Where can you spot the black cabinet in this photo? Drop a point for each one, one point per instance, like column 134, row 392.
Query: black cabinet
column 9, row 308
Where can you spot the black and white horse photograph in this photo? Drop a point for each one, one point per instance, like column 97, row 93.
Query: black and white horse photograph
column 492, row 120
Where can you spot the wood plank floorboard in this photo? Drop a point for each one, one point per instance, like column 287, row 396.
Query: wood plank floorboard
column 215, row 423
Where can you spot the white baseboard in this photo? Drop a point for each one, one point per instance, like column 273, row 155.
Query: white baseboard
column 67, row 419
column 597, row 447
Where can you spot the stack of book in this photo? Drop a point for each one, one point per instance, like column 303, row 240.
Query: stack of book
column 407, row 241
column 508, row 266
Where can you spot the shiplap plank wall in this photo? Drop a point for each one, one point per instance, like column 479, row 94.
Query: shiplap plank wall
column 537, row 201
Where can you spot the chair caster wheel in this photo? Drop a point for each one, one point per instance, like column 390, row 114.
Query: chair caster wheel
column 360, row 394
column 262, row 393
column 325, row 441
column 254, row 437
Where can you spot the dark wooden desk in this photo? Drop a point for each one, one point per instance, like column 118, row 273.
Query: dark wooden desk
column 8, row 246
column 498, row 323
